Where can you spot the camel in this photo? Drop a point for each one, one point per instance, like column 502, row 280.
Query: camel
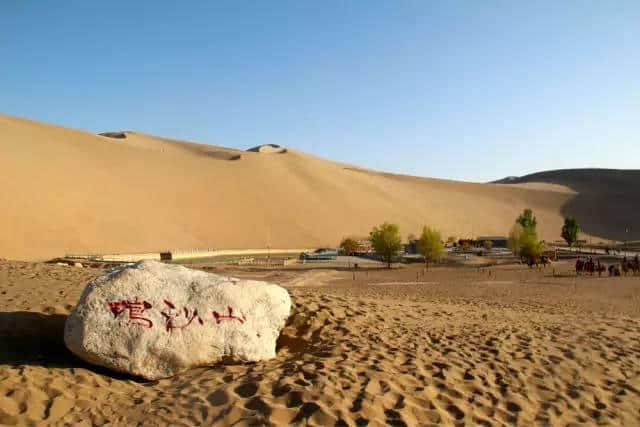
column 537, row 261
column 630, row 265
column 614, row 271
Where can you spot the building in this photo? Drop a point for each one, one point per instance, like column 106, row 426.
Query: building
column 411, row 247
column 498, row 241
column 363, row 247
column 320, row 254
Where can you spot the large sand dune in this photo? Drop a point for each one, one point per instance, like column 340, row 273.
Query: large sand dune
column 69, row 191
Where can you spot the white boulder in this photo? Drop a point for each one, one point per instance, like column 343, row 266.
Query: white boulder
column 154, row 320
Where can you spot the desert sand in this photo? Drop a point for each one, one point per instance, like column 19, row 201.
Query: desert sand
column 503, row 345
column 464, row 345
column 67, row 191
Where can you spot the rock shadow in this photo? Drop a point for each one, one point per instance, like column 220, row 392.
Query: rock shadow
column 37, row 339
column 30, row 338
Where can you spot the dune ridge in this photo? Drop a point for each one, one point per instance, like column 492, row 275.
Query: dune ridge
column 70, row 191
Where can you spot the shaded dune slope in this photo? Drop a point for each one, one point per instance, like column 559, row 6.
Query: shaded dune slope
column 606, row 201
column 69, row 191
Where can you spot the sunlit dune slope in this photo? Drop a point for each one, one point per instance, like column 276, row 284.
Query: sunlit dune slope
column 69, row 191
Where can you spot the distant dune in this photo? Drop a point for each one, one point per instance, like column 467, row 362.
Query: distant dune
column 606, row 201
column 69, row 191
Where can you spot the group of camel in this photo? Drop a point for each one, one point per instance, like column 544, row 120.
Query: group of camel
column 590, row 266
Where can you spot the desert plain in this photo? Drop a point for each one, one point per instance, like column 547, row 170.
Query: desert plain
column 465, row 345
column 454, row 345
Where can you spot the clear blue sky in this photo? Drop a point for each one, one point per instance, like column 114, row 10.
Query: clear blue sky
column 464, row 90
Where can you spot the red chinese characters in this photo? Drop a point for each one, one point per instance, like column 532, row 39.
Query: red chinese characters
column 174, row 318
column 178, row 319
column 136, row 310
column 229, row 316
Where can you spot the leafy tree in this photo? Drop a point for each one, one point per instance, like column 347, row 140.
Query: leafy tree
column 349, row 245
column 488, row 244
column 430, row 245
column 530, row 247
column 570, row 230
column 524, row 242
column 527, row 220
column 515, row 235
column 386, row 241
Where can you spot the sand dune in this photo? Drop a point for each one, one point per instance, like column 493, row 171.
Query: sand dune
column 69, row 191
column 606, row 200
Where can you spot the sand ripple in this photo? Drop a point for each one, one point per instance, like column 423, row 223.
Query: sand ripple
column 345, row 358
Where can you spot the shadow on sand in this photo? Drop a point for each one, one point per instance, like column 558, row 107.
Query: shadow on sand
column 606, row 203
column 36, row 339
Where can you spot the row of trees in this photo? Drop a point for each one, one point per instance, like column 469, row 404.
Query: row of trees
column 523, row 239
column 386, row 241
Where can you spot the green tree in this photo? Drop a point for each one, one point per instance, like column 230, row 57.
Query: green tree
column 570, row 230
column 386, row 241
column 527, row 220
column 530, row 247
column 430, row 245
column 349, row 245
column 515, row 235
column 524, row 242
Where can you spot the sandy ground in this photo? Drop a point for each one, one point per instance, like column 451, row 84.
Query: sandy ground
column 455, row 346
column 66, row 191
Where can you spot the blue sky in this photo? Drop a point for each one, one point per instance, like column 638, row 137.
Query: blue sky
column 463, row 90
